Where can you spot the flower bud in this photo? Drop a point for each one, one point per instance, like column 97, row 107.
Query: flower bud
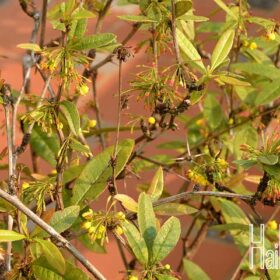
column 151, row 120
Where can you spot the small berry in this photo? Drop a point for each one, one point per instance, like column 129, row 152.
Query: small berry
column 54, row 172
column 231, row 121
column 25, row 185
column 133, row 277
column 253, row 46
column 92, row 123
column 151, row 120
column 272, row 225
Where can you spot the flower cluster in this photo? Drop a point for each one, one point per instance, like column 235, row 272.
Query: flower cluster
column 197, row 177
column 97, row 223
column 272, row 192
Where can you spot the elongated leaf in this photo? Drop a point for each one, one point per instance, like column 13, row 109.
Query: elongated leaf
column 174, row 209
column 222, row 49
column 94, row 41
column 232, row 226
column 193, row 271
column 233, row 81
column 147, row 220
column 213, row 112
column 166, row 239
column 156, row 187
column 43, row 273
column 270, row 91
column 189, row 50
column 63, row 219
column 92, row 180
column 135, row 18
column 52, row 254
column 70, row 112
column 128, row 202
column 181, row 7
column 10, row 235
column 136, row 242
column 222, row 5
column 268, row 159
column 44, row 145
column 74, row 273
column 30, row 46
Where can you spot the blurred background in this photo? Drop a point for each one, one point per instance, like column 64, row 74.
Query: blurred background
column 217, row 256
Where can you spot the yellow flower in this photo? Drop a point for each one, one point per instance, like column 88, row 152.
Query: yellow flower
column 84, row 89
column 120, row 215
column 119, row 230
column 86, row 225
column 25, row 185
column 59, row 125
column 253, row 46
column 167, row 266
column 230, row 121
column 53, row 172
column 151, row 120
column 222, row 163
column 92, row 123
column 91, row 230
column 271, row 36
column 88, row 214
column 200, row 122
column 133, row 277
column 101, row 229
column 272, row 225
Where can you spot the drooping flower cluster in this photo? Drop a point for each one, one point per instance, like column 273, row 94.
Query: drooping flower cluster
column 272, row 192
column 97, row 223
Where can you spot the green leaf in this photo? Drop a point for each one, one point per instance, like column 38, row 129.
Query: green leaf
column 43, row 273
column 223, row 6
column 174, row 209
column 268, row 93
column 136, row 242
column 156, row 187
column 52, row 254
column 245, row 163
column 93, row 179
column 128, row 202
column 44, row 145
column 144, row 4
column 232, row 81
column 30, row 46
column 166, row 239
column 268, row 159
column 94, row 41
column 134, row 18
column 10, row 235
column 147, row 220
column 232, row 213
column 264, row 70
column 81, row 13
column 70, row 112
column 233, row 226
column 190, row 51
column 213, row 112
column 74, row 273
column 245, row 135
column 222, row 49
column 193, row 271
column 63, row 219
column 273, row 170
column 181, row 7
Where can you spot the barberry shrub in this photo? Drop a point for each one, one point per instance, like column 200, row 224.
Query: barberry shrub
column 217, row 98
